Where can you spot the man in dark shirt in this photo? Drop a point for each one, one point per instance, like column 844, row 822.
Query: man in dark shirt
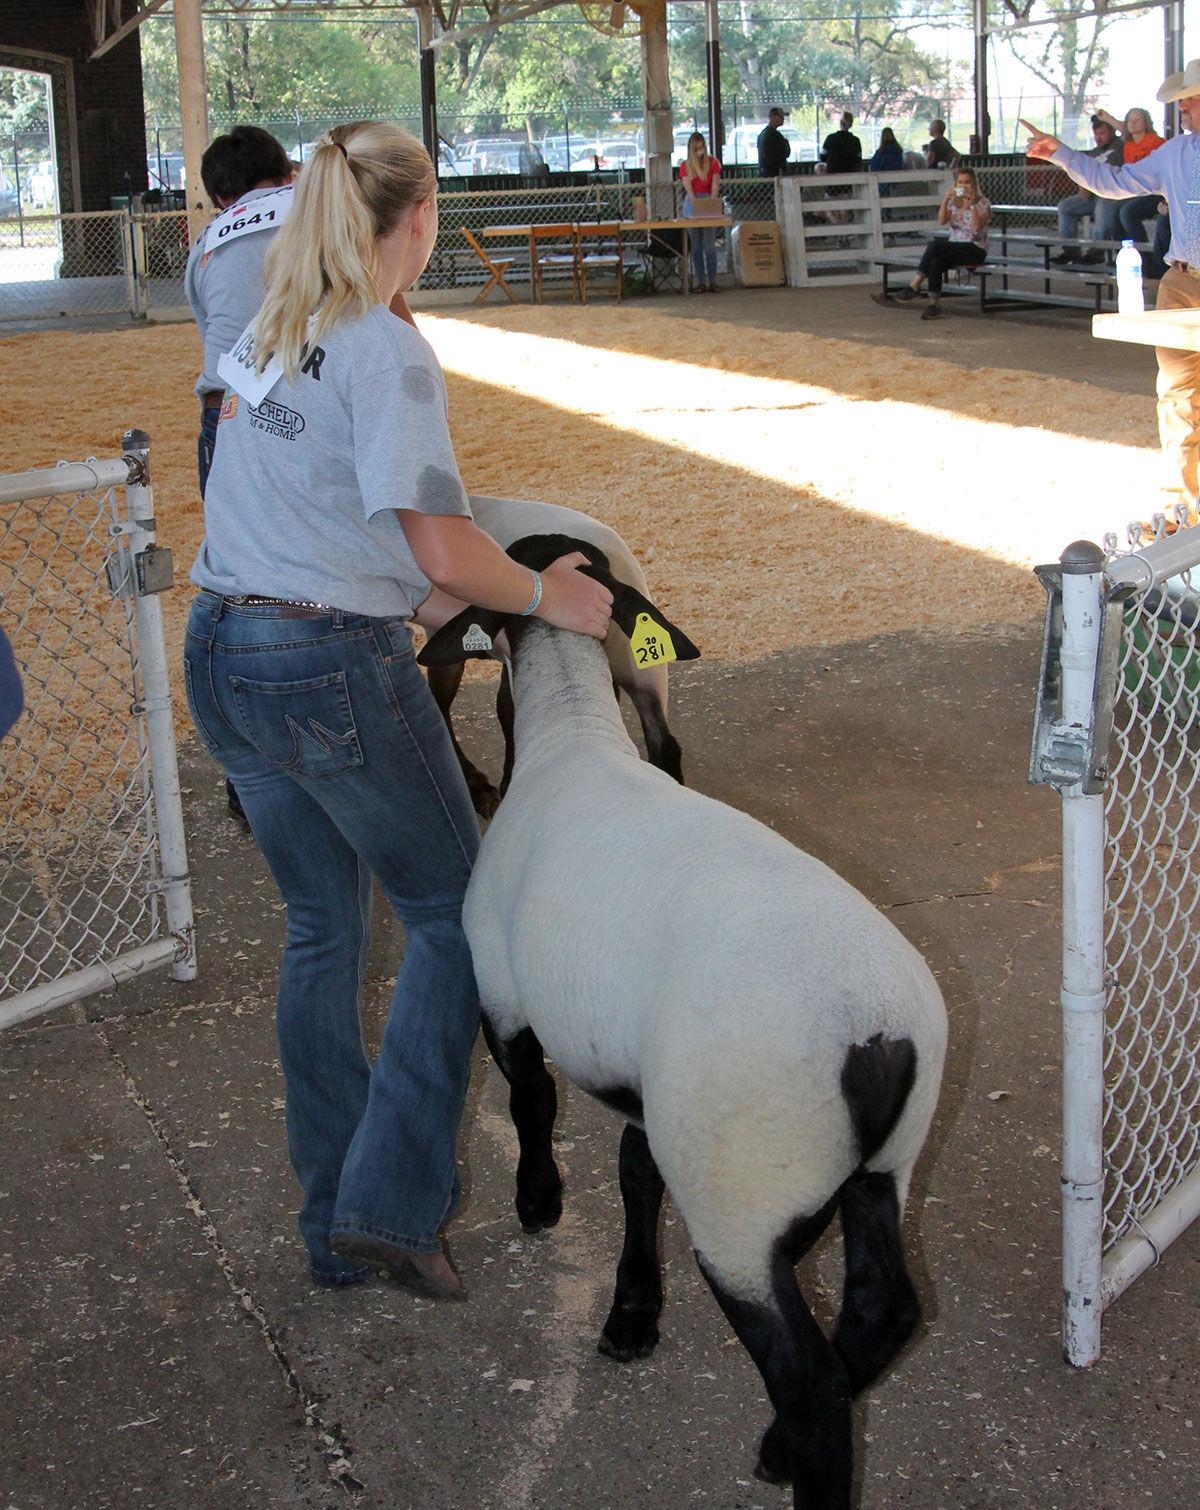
column 841, row 151
column 774, row 149
column 938, row 151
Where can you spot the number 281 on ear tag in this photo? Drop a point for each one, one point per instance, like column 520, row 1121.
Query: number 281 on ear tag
column 650, row 642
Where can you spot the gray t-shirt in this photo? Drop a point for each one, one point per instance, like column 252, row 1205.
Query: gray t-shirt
column 224, row 286
column 301, row 498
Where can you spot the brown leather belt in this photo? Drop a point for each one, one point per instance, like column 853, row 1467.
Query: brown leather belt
column 214, row 398
column 1188, row 268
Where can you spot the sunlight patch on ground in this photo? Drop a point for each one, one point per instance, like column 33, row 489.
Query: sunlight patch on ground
column 1015, row 491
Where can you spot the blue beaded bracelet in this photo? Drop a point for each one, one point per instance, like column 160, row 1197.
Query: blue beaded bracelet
column 537, row 596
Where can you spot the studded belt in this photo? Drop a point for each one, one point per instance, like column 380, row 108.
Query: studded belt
column 292, row 609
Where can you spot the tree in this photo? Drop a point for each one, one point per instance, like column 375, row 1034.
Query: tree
column 1068, row 56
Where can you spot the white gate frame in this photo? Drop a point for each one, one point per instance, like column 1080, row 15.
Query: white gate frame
column 1071, row 751
column 135, row 544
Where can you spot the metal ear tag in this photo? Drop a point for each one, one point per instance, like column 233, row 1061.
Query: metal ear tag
column 476, row 639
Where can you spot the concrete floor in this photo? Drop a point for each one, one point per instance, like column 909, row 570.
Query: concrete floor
column 164, row 1348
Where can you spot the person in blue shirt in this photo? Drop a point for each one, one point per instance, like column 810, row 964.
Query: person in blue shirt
column 888, row 157
column 1173, row 172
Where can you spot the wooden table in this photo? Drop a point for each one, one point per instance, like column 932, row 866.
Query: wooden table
column 609, row 228
column 1175, row 329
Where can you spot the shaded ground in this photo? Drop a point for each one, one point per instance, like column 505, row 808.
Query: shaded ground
column 164, row 1348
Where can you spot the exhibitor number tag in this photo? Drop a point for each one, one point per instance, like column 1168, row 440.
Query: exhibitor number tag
column 263, row 213
column 650, row 642
column 236, row 369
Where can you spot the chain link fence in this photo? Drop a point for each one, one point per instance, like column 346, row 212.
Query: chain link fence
column 93, row 869
column 65, row 266
column 1119, row 734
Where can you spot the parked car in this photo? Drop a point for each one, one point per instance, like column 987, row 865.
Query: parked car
column 165, row 170
column 741, row 146
column 42, row 186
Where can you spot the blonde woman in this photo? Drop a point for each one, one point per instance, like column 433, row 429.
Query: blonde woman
column 700, row 174
column 333, row 514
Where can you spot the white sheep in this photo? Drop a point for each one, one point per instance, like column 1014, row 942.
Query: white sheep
column 510, row 519
column 774, row 1043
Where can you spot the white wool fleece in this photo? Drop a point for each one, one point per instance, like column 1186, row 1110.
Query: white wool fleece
column 662, row 942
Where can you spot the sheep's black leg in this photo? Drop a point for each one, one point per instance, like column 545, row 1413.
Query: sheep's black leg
column 533, row 1105
column 506, row 713
column 444, row 682
column 662, row 748
column 810, row 1441
column 631, row 1330
column 880, row 1309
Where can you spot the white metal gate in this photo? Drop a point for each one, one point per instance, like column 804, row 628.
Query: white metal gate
column 93, row 868
column 1118, row 733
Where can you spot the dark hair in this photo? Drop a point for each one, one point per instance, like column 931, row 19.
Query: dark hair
column 233, row 164
column 776, row 110
column 937, row 126
column 887, row 138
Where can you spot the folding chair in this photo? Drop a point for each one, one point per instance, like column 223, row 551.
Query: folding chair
column 497, row 269
column 662, row 258
column 553, row 249
column 599, row 249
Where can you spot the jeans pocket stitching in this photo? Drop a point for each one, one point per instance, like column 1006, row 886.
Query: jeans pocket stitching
column 349, row 742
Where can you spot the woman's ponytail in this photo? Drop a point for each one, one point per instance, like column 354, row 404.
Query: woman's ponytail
column 322, row 261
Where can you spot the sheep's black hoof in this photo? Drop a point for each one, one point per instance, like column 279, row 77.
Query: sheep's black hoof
column 772, row 1466
column 539, row 1202
column 485, row 799
column 628, row 1335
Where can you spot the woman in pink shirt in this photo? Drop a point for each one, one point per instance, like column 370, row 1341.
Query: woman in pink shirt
column 701, row 178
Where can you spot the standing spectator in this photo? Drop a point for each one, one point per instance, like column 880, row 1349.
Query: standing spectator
column 938, row 151
column 966, row 212
column 1138, row 141
column 888, row 157
column 841, row 151
column 1171, row 171
column 700, row 174
column 342, row 489
column 774, row 149
column 1104, row 212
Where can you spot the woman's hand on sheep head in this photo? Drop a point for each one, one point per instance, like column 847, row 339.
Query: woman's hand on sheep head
column 572, row 601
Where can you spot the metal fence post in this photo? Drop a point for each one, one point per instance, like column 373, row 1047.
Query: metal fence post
column 131, row 288
column 156, row 696
column 1083, row 986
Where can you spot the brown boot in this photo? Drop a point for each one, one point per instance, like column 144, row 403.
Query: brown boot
column 430, row 1274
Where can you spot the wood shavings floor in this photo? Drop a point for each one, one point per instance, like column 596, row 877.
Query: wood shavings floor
column 781, row 489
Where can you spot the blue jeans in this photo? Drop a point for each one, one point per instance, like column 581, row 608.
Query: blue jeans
column 206, row 443
column 1134, row 213
column 702, row 253
column 345, row 770
column 1071, row 211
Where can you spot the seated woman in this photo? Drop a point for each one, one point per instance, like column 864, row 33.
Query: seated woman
column 966, row 212
column 701, row 178
column 1138, row 139
column 888, row 157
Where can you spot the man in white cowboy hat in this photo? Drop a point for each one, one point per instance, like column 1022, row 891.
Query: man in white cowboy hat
column 1173, row 171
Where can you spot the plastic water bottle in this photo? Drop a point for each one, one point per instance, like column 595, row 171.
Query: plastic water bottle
column 1130, row 299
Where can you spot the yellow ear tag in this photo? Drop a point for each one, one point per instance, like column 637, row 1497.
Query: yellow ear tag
column 650, row 643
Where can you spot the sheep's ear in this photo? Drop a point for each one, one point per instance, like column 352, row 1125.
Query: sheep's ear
column 468, row 636
column 652, row 637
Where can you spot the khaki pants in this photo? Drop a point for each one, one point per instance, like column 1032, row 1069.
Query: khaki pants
column 1179, row 391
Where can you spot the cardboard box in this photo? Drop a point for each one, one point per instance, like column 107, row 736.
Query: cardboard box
column 757, row 254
